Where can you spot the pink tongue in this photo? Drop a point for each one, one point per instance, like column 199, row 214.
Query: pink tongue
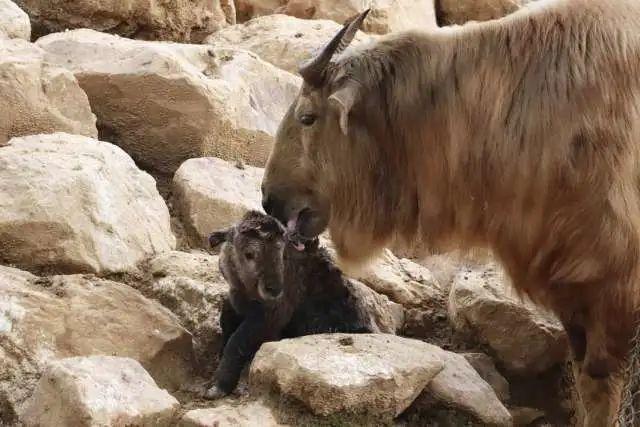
column 299, row 246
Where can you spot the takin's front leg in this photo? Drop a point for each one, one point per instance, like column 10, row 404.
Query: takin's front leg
column 239, row 350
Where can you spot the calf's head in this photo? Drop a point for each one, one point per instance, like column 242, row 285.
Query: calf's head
column 252, row 256
column 324, row 152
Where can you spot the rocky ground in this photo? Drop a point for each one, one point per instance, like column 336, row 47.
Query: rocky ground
column 129, row 138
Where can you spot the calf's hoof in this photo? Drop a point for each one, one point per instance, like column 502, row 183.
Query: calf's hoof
column 215, row 393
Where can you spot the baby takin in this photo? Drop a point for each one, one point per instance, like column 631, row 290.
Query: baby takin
column 278, row 288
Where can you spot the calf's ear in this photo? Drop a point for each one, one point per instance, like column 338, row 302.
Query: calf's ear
column 219, row 237
column 343, row 101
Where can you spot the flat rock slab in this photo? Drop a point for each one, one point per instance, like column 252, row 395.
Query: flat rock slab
column 164, row 103
column 72, row 204
column 373, row 374
column 212, row 194
column 246, row 414
column 526, row 339
column 43, row 319
column 98, row 391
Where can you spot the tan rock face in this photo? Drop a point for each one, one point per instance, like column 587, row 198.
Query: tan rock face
column 179, row 20
column 164, row 103
column 525, row 339
column 211, row 194
column 191, row 286
column 459, row 386
column 461, row 11
column 42, row 319
column 485, row 367
column 38, row 97
column 14, row 23
column 361, row 373
column 284, row 41
column 98, row 390
column 386, row 15
column 250, row 414
column 74, row 204
column 385, row 316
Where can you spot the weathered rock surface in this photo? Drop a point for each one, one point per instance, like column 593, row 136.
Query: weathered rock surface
column 461, row 11
column 460, row 387
column 360, row 373
column 284, row 41
column 98, row 390
column 211, row 194
column 485, row 367
column 164, row 103
column 38, row 97
column 14, row 23
column 74, row 204
column 385, row 316
column 402, row 280
column 156, row 20
column 191, row 286
column 525, row 339
column 42, row 319
column 386, row 15
column 250, row 414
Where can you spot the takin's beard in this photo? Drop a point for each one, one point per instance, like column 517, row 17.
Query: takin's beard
column 354, row 248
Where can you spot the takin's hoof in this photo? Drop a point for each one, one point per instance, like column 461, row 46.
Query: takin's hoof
column 215, row 393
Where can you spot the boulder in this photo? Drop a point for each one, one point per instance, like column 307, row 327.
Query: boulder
column 211, row 194
column 247, row 414
column 402, row 280
column 524, row 338
column 98, row 390
column 164, row 103
column 191, row 286
column 38, row 97
column 459, row 386
column 373, row 374
column 386, row 15
column 485, row 367
column 284, row 41
column 14, row 23
column 385, row 316
column 72, row 204
column 141, row 19
column 42, row 319
column 458, row 12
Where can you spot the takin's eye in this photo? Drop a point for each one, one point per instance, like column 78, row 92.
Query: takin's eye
column 307, row 119
column 249, row 256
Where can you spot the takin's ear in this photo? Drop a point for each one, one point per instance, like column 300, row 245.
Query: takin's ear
column 343, row 101
column 219, row 237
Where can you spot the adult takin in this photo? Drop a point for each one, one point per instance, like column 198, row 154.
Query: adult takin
column 520, row 134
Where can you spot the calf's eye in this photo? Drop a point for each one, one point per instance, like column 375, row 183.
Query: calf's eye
column 307, row 119
column 249, row 256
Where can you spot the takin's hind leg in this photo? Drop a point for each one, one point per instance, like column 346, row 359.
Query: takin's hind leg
column 598, row 381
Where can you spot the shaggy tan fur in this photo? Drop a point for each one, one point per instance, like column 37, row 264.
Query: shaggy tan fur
column 520, row 134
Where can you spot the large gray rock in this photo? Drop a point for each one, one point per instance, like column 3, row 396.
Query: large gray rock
column 249, row 414
column 486, row 368
column 284, row 41
column 211, row 194
column 14, row 23
column 155, row 20
column 191, row 286
column 164, row 103
column 98, row 391
column 526, row 339
column 386, row 15
column 38, row 97
column 459, row 386
column 74, row 204
column 384, row 316
column 374, row 374
column 42, row 319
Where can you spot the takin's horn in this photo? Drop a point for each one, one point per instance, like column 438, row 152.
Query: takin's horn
column 313, row 71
